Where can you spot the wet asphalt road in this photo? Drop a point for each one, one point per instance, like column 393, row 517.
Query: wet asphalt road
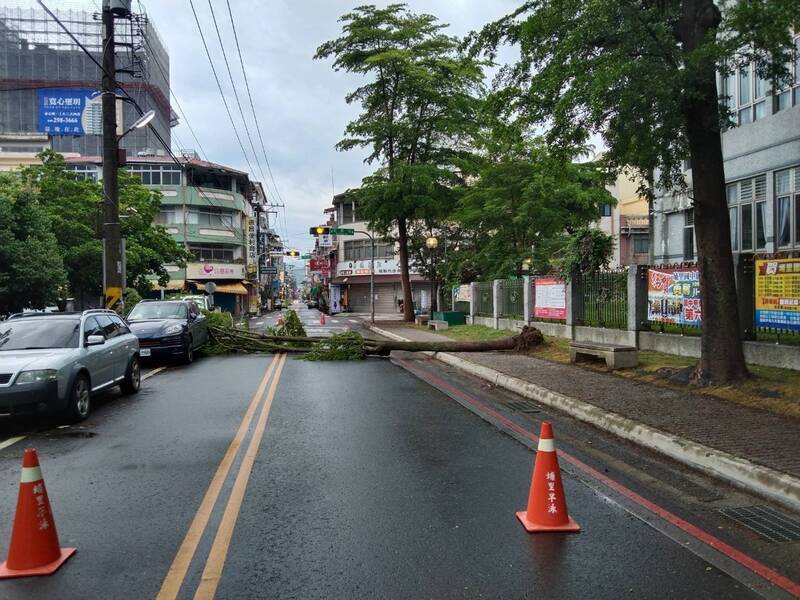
column 368, row 483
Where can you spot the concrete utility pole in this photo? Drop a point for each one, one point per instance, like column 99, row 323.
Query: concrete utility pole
column 112, row 258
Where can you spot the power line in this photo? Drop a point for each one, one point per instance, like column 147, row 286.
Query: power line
column 233, row 87
column 255, row 117
column 219, row 86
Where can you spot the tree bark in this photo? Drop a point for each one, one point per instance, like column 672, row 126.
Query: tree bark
column 402, row 238
column 721, row 356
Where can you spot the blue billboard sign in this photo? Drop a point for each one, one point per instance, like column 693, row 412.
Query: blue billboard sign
column 69, row 111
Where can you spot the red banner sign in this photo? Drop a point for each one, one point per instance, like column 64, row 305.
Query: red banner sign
column 320, row 265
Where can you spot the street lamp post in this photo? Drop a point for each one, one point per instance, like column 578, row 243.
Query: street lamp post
column 432, row 243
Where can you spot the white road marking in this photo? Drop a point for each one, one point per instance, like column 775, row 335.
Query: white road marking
column 352, row 320
column 259, row 322
column 334, row 320
column 152, row 372
column 11, row 441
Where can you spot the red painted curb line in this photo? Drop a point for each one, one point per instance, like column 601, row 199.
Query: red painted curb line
column 703, row 536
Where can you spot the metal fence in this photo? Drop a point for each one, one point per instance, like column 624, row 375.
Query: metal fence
column 484, row 299
column 602, row 299
column 511, row 298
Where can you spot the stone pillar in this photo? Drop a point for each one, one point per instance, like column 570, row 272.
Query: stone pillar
column 528, row 299
column 496, row 302
column 473, row 303
column 573, row 306
column 637, row 301
column 744, row 268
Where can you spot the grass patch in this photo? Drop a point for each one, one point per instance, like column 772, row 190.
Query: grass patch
column 474, row 333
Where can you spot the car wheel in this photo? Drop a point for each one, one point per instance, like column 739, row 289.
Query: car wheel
column 188, row 352
column 80, row 397
column 133, row 377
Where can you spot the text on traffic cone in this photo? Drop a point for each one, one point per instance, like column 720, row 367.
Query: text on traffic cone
column 547, row 504
column 34, row 548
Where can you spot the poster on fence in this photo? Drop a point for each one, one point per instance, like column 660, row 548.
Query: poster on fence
column 463, row 293
column 550, row 295
column 673, row 296
column 778, row 293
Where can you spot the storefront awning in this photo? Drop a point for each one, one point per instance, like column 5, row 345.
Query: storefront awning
column 172, row 284
column 231, row 288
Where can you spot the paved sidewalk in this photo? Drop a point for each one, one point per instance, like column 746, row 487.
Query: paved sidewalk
column 758, row 436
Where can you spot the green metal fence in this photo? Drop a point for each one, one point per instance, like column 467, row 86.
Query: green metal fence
column 602, row 299
column 511, row 298
column 484, row 299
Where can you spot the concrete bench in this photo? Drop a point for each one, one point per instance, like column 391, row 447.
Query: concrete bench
column 616, row 357
column 421, row 319
column 437, row 325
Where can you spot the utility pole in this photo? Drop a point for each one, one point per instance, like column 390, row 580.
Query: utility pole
column 112, row 255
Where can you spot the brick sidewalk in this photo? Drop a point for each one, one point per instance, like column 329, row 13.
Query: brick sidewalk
column 759, row 436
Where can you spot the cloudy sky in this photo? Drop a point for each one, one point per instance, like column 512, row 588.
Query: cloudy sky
column 299, row 101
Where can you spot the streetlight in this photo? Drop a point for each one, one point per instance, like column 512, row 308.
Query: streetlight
column 139, row 123
column 432, row 243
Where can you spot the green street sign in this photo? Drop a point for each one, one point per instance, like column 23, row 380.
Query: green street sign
column 306, row 257
column 340, row 231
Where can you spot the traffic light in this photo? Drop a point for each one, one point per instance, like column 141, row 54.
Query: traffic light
column 292, row 253
column 319, row 230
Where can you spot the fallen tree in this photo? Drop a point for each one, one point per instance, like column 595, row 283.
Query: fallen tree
column 352, row 346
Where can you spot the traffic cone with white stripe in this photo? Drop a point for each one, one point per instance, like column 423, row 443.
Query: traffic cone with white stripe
column 547, row 504
column 34, row 548
column 322, row 318
column 280, row 319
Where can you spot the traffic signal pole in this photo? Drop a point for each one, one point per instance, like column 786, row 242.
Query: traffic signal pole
column 112, row 255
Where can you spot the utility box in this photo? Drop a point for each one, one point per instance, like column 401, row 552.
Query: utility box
column 452, row 317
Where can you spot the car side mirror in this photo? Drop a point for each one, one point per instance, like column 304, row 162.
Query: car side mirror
column 95, row 340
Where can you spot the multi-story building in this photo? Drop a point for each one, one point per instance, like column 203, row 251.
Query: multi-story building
column 212, row 211
column 351, row 271
column 627, row 223
column 49, row 85
column 762, row 171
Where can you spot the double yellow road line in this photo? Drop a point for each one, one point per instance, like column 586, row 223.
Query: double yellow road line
column 219, row 549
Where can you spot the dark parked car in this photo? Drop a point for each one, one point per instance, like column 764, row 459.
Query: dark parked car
column 54, row 361
column 168, row 328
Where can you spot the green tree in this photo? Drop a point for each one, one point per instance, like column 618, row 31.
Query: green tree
column 525, row 202
column 643, row 74
column 31, row 270
column 417, row 111
column 74, row 206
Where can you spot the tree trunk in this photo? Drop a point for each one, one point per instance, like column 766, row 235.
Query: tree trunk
column 402, row 238
column 721, row 356
column 384, row 348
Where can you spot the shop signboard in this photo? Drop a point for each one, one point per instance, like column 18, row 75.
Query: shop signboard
column 673, row 296
column 335, row 298
column 778, row 293
column 464, row 293
column 319, row 265
column 210, row 270
column 383, row 266
column 550, row 298
column 252, row 242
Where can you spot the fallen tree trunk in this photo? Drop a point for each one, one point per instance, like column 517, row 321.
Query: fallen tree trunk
column 248, row 341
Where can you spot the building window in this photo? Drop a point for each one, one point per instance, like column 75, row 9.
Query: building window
column 360, row 250
column 745, row 197
column 688, row 235
column 169, row 215
column 347, row 212
column 787, row 229
column 210, row 252
column 641, row 244
column 605, row 210
column 83, row 171
column 213, row 217
column 151, row 174
column 789, row 94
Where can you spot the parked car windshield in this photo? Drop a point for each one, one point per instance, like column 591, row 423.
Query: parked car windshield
column 38, row 333
column 158, row 310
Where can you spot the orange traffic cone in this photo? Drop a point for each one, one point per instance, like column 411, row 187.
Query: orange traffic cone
column 547, row 505
column 322, row 318
column 280, row 319
column 34, row 546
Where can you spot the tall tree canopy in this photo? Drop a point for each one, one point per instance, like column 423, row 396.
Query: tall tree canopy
column 31, row 270
column 72, row 206
column 643, row 74
column 417, row 111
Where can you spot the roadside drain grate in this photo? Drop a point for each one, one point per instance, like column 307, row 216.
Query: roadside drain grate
column 766, row 522
column 524, row 406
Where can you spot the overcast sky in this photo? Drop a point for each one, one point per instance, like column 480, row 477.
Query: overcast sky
column 299, row 101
